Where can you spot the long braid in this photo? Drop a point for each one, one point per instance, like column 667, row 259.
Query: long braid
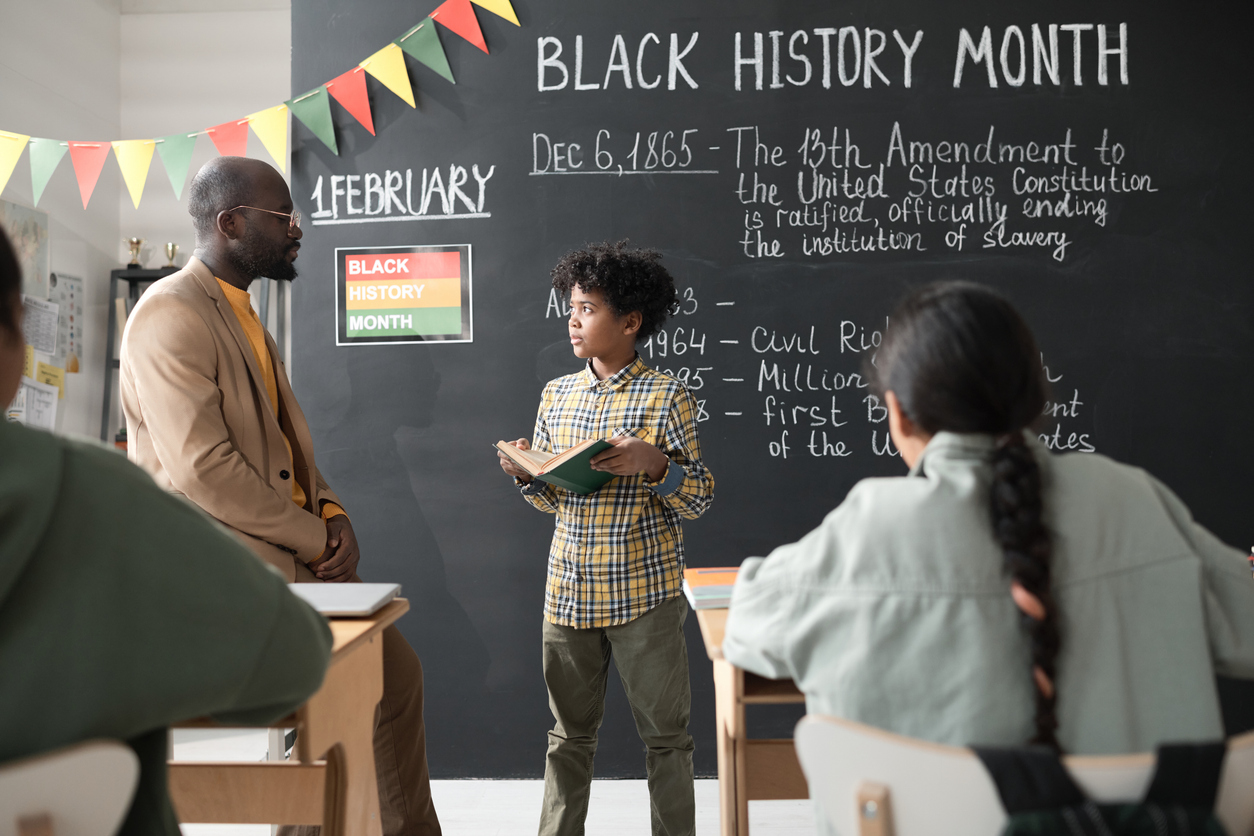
column 1020, row 531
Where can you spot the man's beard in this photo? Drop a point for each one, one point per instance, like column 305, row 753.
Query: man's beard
column 255, row 257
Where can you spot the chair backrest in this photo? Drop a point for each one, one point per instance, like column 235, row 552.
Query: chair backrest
column 945, row 789
column 82, row 790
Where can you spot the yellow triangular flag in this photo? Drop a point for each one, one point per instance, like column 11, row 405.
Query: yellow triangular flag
column 134, row 157
column 11, row 146
column 270, row 126
column 388, row 65
column 500, row 8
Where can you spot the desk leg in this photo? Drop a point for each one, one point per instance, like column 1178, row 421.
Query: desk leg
column 729, row 689
column 339, row 724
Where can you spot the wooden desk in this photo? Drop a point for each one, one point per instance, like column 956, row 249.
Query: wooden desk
column 747, row 769
column 330, row 779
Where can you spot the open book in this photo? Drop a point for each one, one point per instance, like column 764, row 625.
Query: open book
column 569, row 470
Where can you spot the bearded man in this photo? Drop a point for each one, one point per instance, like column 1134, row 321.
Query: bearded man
column 211, row 415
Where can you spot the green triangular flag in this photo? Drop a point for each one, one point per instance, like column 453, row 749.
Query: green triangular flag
column 44, row 156
column 314, row 111
column 423, row 43
column 176, row 156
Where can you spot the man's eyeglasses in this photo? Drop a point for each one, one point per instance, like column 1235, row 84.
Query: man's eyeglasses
column 293, row 219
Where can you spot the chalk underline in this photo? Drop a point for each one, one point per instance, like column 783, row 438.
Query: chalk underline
column 396, row 218
column 618, row 173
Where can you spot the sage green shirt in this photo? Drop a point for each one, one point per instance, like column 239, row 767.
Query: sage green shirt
column 896, row 611
column 124, row 609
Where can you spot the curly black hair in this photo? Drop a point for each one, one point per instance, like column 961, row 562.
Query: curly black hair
column 630, row 280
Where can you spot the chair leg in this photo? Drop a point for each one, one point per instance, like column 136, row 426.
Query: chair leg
column 875, row 810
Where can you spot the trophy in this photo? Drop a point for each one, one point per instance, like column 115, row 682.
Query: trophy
column 134, row 244
column 171, row 250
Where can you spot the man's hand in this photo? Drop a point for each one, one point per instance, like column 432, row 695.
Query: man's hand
column 508, row 465
column 631, row 455
column 339, row 560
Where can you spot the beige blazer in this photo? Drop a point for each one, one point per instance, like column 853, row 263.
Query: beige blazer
column 199, row 420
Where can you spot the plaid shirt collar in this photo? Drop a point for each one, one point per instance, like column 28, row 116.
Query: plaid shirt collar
column 617, row 380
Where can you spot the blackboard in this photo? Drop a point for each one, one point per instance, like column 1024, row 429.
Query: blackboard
column 1107, row 195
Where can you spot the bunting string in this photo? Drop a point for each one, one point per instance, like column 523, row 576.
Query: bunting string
column 271, row 125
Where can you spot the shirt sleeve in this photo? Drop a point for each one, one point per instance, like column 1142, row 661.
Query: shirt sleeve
column 687, row 487
column 1228, row 591
column 542, row 495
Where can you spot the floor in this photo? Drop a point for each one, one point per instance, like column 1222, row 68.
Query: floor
column 508, row 808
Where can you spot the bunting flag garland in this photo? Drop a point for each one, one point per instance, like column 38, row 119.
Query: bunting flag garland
column 176, row 156
column 88, row 159
column 270, row 126
column 500, row 8
column 134, row 158
column 350, row 91
column 11, row 147
column 230, row 138
column 388, row 65
column 423, row 43
column 314, row 110
column 459, row 16
column 45, row 154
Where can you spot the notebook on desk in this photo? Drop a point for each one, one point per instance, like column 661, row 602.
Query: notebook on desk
column 346, row 599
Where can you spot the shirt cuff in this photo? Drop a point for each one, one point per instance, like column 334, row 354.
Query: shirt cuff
column 670, row 482
column 330, row 509
column 530, row 488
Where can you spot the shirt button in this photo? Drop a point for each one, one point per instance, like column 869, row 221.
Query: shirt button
column 283, row 474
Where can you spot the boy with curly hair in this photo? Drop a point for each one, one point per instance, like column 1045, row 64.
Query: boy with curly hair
column 617, row 558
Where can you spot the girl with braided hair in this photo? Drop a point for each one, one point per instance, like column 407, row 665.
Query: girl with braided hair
column 998, row 594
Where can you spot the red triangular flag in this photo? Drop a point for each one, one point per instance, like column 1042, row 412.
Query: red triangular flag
column 459, row 16
column 231, row 138
column 350, row 91
column 88, row 158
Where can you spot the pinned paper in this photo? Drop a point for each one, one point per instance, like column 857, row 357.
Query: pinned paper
column 134, row 158
column 38, row 405
column 39, row 323
column 88, row 159
column 314, row 110
column 231, row 138
column 28, row 368
column 388, row 65
column 350, row 91
column 11, row 146
column 176, row 155
column 270, row 126
column 500, row 8
column 459, row 16
column 45, row 154
column 53, row 376
column 423, row 43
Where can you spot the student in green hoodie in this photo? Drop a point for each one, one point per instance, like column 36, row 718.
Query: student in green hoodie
column 110, row 623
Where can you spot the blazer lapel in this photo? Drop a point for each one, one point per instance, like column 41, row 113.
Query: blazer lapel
column 214, row 291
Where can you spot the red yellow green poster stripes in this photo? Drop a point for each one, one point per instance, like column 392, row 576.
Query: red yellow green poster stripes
column 403, row 294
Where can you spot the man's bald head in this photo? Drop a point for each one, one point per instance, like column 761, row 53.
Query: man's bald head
column 224, row 183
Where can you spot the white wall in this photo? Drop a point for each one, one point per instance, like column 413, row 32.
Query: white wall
column 128, row 69
column 61, row 81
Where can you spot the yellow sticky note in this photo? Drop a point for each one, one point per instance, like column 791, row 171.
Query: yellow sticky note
column 29, row 368
column 53, row 376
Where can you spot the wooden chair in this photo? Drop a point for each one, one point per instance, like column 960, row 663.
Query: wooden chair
column 82, row 790
column 875, row 783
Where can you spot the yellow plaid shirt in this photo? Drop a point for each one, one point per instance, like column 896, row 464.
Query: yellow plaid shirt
column 619, row 551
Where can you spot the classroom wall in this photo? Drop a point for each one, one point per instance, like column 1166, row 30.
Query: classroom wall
column 125, row 70
column 62, row 81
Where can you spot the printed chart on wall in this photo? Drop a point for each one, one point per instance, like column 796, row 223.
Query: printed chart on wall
column 403, row 295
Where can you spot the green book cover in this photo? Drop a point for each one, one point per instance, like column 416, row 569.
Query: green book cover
column 576, row 475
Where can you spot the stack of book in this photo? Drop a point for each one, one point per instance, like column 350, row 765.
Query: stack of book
column 710, row 589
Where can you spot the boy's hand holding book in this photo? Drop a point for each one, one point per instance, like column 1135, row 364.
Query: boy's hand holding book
column 508, row 465
column 631, row 455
